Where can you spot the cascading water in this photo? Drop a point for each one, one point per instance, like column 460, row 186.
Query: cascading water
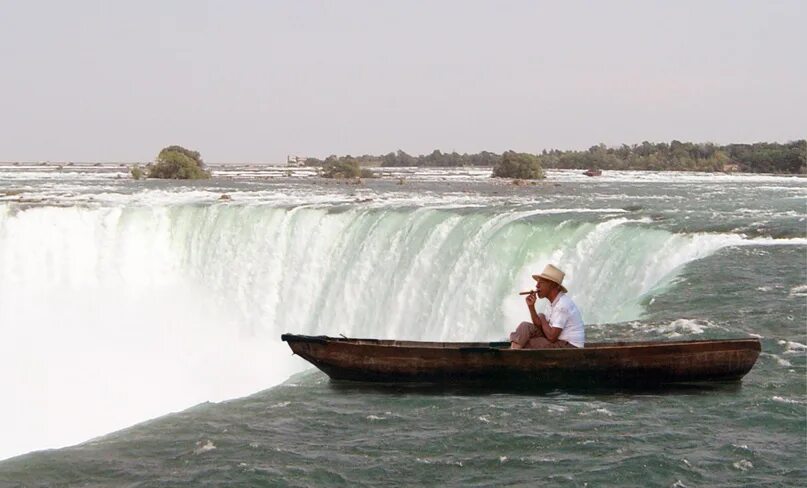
column 112, row 315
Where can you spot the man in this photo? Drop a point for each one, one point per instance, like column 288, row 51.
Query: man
column 561, row 327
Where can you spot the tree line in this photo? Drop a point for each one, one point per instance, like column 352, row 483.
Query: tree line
column 401, row 158
column 762, row 157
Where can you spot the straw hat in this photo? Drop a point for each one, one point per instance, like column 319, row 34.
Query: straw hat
column 553, row 274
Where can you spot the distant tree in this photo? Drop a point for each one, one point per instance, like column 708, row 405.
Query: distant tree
column 404, row 158
column 137, row 172
column 764, row 157
column 176, row 162
column 389, row 159
column 484, row 158
column 519, row 165
column 399, row 158
column 345, row 167
column 187, row 152
column 434, row 159
column 313, row 162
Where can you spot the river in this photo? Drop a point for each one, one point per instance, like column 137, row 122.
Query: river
column 140, row 325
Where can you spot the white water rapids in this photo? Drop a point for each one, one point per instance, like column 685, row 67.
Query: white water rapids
column 112, row 315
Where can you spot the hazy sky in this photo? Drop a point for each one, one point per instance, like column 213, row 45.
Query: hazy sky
column 253, row 81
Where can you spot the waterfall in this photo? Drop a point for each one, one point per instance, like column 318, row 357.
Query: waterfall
column 111, row 315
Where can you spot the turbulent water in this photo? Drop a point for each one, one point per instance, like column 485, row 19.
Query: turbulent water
column 122, row 301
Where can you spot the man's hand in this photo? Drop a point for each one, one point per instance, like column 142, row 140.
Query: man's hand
column 531, row 299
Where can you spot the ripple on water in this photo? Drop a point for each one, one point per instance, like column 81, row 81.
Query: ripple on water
column 779, row 360
column 445, row 462
column 794, row 401
column 799, row 291
column 792, row 347
column 204, row 446
column 684, row 326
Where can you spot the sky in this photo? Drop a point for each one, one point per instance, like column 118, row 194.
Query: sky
column 256, row 81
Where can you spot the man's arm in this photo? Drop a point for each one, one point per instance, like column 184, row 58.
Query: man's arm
column 551, row 333
column 540, row 321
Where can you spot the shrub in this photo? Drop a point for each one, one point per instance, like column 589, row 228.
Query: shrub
column 518, row 165
column 341, row 168
column 176, row 162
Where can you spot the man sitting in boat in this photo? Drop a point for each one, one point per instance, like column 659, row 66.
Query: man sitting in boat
column 562, row 327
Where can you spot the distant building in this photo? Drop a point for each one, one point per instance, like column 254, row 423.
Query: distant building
column 295, row 161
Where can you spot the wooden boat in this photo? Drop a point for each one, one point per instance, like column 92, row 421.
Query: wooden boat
column 593, row 172
column 495, row 364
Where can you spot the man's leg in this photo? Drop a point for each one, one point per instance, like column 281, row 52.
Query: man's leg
column 522, row 335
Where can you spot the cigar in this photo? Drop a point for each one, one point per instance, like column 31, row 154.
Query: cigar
column 527, row 292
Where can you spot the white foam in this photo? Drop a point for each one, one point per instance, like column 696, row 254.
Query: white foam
column 788, row 400
column 680, row 327
column 81, row 183
column 792, row 347
column 130, row 336
column 597, row 411
column 779, row 360
column 204, row 446
column 262, row 170
column 438, row 461
column 771, row 241
column 798, row 291
column 743, row 465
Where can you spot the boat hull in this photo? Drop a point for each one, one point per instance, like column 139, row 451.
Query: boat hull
column 495, row 364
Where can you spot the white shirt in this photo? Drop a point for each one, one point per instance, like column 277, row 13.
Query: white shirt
column 564, row 314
